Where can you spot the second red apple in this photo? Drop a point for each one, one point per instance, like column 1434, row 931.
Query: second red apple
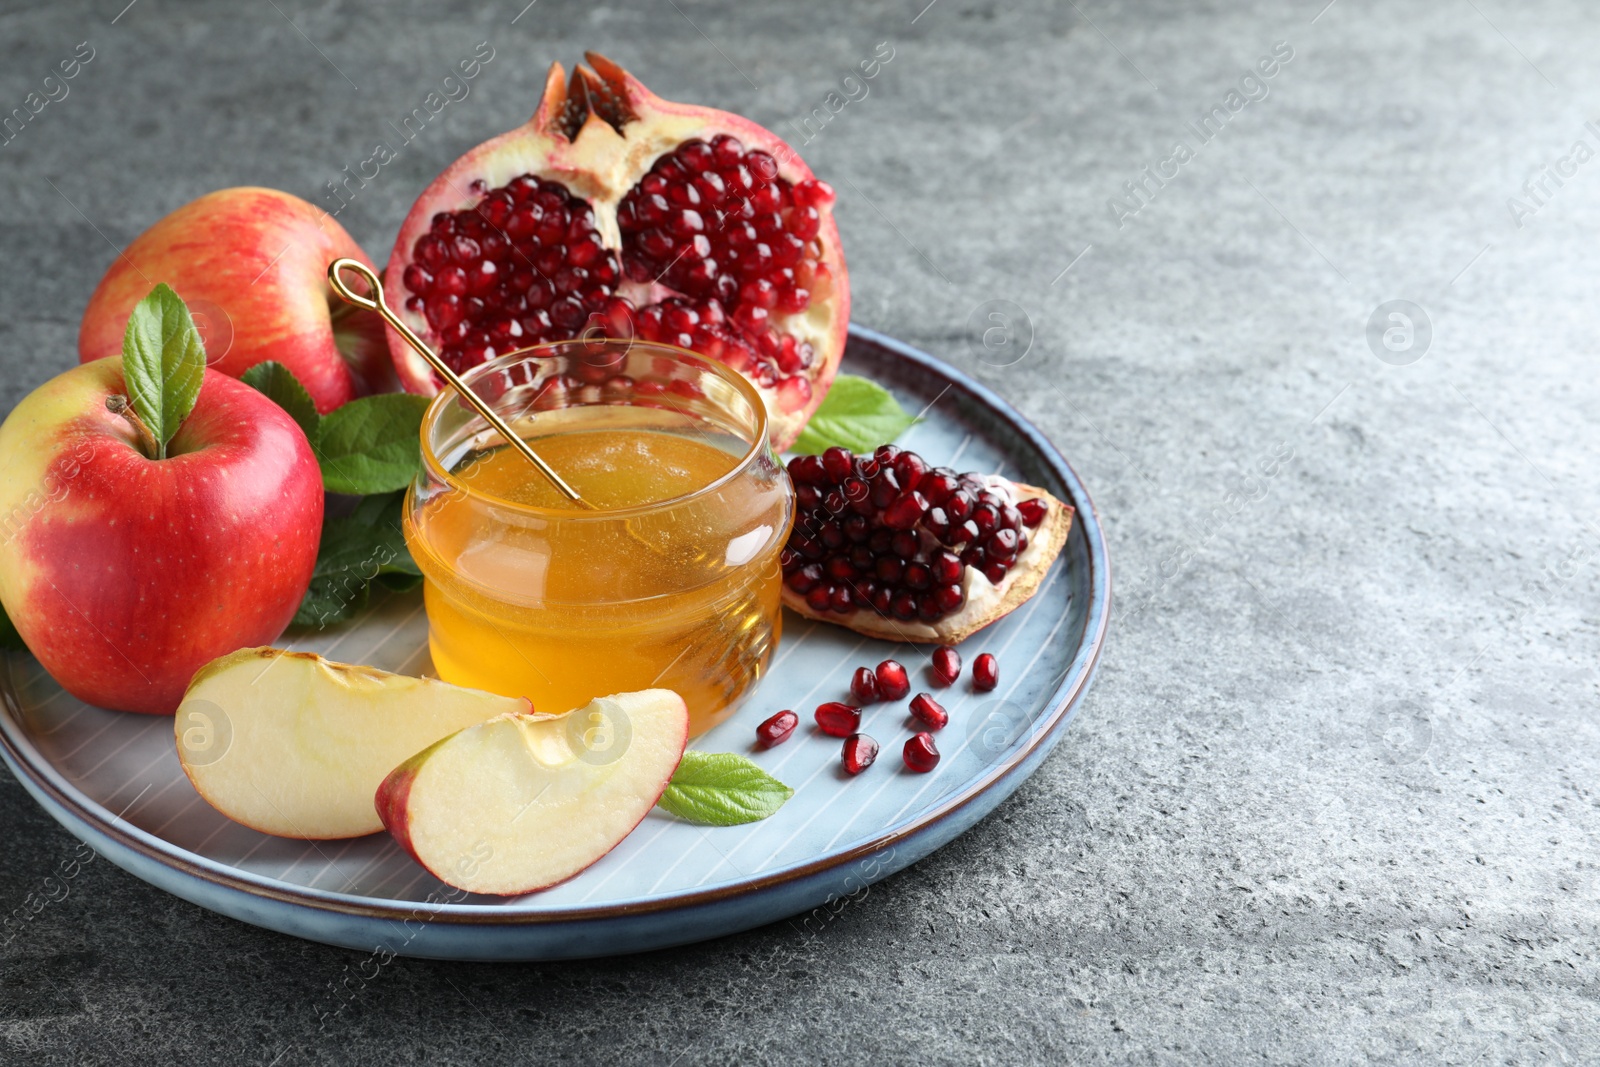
column 252, row 266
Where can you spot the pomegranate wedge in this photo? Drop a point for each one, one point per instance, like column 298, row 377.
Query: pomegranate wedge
column 893, row 548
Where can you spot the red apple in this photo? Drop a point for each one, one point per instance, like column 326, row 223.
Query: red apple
column 124, row 574
column 252, row 264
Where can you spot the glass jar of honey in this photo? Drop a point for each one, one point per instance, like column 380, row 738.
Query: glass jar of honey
column 666, row 575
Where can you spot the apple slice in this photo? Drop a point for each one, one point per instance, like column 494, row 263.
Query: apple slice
column 291, row 744
column 524, row 801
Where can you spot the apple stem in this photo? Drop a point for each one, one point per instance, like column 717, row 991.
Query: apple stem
column 118, row 404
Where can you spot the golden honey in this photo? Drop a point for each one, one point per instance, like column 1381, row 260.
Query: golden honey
column 670, row 579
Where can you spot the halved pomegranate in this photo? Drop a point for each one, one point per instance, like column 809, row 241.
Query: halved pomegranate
column 893, row 548
column 614, row 212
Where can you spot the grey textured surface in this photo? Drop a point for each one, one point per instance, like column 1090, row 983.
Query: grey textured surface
column 1333, row 798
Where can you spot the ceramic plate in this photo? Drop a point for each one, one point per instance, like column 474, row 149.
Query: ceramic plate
column 113, row 779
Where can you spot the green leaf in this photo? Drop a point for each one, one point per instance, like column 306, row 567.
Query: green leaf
column 356, row 551
column 380, row 508
column 382, row 513
column 857, row 414
column 163, row 362
column 372, row 445
column 280, row 386
column 396, row 582
column 9, row 638
column 722, row 789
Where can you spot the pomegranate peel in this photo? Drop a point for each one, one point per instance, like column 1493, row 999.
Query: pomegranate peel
column 614, row 212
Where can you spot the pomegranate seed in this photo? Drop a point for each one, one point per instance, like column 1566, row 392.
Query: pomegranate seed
column 859, row 752
column 804, row 223
column 946, row 665
column 1002, row 545
column 929, row 711
column 838, row 720
column 985, row 672
column 909, row 468
column 793, row 301
column 921, row 754
column 836, row 462
column 864, row 686
column 417, row 279
column 804, row 579
column 906, row 510
column 726, row 150
column 937, row 485
column 946, row 568
column 813, row 192
column 776, row 730
column 760, row 292
column 885, row 488
column 808, row 470
column 892, row 681
column 768, row 197
column 1033, row 511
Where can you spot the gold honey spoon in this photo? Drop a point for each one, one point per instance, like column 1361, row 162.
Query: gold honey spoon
column 375, row 302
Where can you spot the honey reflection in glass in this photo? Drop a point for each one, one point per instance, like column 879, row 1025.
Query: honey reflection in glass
column 671, row 580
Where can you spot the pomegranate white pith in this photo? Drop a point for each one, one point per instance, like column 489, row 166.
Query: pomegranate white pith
column 870, row 552
column 614, row 212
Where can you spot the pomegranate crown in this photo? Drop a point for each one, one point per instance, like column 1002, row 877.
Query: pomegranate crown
column 602, row 89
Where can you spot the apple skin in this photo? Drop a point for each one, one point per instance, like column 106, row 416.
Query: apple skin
column 261, row 257
column 125, row 575
column 392, row 796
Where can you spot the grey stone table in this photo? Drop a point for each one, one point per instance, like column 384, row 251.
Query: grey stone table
column 1334, row 797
